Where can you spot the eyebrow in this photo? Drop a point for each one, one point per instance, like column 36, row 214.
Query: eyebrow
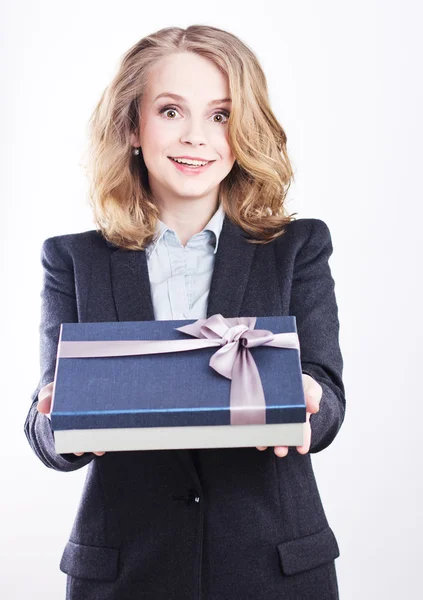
column 182, row 99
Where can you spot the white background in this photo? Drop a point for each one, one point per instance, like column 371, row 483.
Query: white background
column 345, row 82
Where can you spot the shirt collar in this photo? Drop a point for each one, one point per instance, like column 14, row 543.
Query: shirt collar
column 214, row 225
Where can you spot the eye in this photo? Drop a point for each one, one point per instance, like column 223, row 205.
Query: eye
column 225, row 113
column 168, row 108
column 173, row 109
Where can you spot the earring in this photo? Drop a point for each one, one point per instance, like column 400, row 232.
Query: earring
column 135, row 151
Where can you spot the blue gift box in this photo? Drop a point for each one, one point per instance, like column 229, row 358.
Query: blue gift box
column 168, row 400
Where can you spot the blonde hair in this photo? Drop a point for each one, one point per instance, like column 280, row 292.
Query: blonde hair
column 252, row 194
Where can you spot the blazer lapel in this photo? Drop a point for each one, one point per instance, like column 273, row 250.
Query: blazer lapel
column 131, row 285
column 231, row 271
column 234, row 256
column 132, row 292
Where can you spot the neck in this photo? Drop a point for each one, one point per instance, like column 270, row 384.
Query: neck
column 188, row 218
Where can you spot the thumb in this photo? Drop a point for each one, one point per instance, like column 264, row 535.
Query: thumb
column 313, row 393
column 44, row 399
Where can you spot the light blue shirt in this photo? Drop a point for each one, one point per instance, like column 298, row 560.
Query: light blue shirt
column 180, row 276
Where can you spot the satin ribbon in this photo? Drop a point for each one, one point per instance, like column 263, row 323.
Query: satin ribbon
column 233, row 359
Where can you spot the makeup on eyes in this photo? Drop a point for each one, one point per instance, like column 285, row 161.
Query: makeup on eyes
column 226, row 113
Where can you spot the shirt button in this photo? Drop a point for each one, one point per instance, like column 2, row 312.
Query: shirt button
column 197, row 498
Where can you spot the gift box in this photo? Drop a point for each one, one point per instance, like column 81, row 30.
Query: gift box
column 156, row 385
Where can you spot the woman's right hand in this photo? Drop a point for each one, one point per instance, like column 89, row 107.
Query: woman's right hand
column 44, row 406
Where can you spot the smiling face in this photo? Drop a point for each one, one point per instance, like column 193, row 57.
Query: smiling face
column 191, row 124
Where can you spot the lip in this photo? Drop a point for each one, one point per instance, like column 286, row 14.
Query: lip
column 189, row 170
column 192, row 158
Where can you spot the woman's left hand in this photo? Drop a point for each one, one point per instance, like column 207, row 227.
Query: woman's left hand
column 313, row 394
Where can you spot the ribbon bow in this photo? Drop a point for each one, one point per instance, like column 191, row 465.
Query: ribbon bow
column 235, row 361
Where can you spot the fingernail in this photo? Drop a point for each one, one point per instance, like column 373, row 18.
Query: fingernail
column 281, row 452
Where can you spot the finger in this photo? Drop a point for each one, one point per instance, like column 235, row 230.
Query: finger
column 78, row 453
column 307, row 437
column 313, row 393
column 44, row 405
column 99, row 453
column 45, row 391
column 281, row 450
column 261, row 447
column 44, row 399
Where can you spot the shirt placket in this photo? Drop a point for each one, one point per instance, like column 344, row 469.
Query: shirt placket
column 192, row 286
column 176, row 283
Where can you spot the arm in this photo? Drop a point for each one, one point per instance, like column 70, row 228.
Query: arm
column 313, row 303
column 58, row 305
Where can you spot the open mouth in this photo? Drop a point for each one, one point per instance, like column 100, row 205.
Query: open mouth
column 185, row 167
column 179, row 161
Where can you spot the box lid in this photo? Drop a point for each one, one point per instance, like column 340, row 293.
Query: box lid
column 165, row 390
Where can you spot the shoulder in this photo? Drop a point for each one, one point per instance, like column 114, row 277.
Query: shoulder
column 69, row 246
column 304, row 229
column 305, row 232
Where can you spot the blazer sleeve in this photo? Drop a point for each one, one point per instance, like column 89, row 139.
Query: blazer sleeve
column 314, row 305
column 58, row 305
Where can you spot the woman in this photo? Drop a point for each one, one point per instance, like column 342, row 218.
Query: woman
column 189, row 174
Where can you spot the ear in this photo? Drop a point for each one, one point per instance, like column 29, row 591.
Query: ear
column 133, row 138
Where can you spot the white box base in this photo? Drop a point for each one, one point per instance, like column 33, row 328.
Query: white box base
column 175, row 438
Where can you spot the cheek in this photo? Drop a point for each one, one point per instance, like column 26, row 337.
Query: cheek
column 230, row 156
column 223, row 147
column 226, row 154
column 154, row 137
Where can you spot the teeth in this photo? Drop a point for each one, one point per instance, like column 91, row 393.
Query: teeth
column 186, row 161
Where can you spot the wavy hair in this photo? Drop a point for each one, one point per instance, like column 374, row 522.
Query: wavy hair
column 252, row 194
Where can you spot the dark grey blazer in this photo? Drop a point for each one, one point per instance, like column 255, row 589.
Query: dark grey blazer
column 217, row 524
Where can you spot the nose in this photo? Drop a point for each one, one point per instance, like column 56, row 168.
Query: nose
column 193, row 133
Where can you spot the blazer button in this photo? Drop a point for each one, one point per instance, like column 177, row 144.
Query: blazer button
column 193, row 496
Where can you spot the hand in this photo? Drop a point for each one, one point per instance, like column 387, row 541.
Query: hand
column 44, row 407
column 313, row 394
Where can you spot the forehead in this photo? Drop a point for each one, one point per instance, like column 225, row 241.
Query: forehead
column 191, row 76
